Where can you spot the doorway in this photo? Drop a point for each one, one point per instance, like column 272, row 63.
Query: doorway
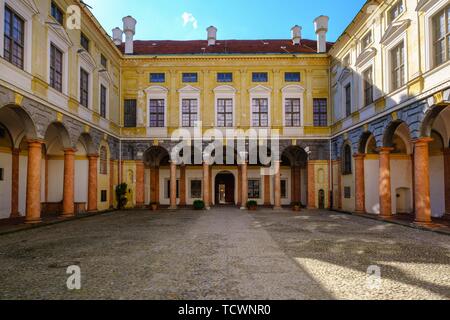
column 224, row 189
column 403, row 200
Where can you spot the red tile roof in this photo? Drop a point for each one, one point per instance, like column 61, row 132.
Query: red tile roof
column 222, row 47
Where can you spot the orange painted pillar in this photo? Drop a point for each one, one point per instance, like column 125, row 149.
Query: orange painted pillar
column 447, row 179
column 15, row 184
column 206, row 186
column 422, row 180
column 385, row 182
column 183, row 186
column 244, row 186
column 267, row 191
column 33, row 202
column 360, row 195
column 69, row 183
column 92, row 183
column 311, row 186
column 173, row 186
column 277, row 186
column 140, row 184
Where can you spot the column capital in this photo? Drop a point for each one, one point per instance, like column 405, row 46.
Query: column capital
column 447, row 151
column 70, row 151
column 34, row 143
column 15, row 151
column 93, row 156
column 385, row 150
column 359, row 156
column 422, row 141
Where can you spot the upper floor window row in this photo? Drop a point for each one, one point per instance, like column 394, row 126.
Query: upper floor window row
column 104, row 61
column 84, row 41
column 56, row 68
column 224, row 77
column 441, row 41
column 396, row 10
column 366, row 40
column 57, row 13
column 292, row 77
column 157, row 77
column 260, row 77
column 14, row 38
column 190, row 77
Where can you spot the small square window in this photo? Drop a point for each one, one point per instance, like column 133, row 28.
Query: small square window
column 190, row 77
column 224, row 77
column 104, row 61
column 84, row 41
column 260, row 77
column 57, row 13
column 196, row 189
column 347, row 192
column 292, row 76
column 366, row 41
column 157, row 77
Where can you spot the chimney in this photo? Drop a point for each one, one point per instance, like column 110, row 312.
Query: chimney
column 212, row 35
column 321, row 26
column 129, row 28
column 117, row 36
column 296, row 35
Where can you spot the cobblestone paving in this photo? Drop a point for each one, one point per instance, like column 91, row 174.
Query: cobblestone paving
column 225, row 254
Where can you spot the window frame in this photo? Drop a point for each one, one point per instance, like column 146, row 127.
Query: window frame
column 320, row 113
column 54, row 6
column 14, row 16
column 53, row 68
column 393, row 8
column 368, row 86
column 151, row 80
column 397, row 70
column 292, row 113
column 348, row 99
column 259, row 112
column 251, row 188
column 225, row 79
column 132, row 103
column 192, row 123
column 224, row 113
column 257, row 79
column 85, row 42
column 446, row 38
column 347, row 164
column 185, row 77
column 191, row 189
column 103, row 101
column 85, row 91
column 286, row 79
column 103, row 159
column 159, row 123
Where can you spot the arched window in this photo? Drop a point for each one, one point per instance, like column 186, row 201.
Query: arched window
column 103, row 160
column 347, row 160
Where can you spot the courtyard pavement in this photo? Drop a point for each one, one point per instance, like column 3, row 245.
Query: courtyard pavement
column 225, row 253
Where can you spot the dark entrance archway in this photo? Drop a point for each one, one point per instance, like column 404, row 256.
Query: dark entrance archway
column 224, row 189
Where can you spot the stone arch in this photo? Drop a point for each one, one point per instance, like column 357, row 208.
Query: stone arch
column 59, row 131
column 367, row 143
column 19, row 123
column 429, row 119
column 398, row 136
column 91, row 147
column 294, row 156
column 156, row 156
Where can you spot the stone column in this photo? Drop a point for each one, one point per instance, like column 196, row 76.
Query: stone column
column 294, row 194
column 267, row 191
column 92, row 183
column 311, row 186
column 183, row 186
column 360, row 195
column 33, row 202
column 15, row 184
column 277, row 186
column 140, row 184
column 173, row 186
column 385, row 182
column 69, row 183
column 244, row 186
column 206, row 187
column 447, row 179
column 422, row 180
column 239, row 186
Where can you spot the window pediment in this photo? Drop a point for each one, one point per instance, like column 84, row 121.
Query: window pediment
column 365, row 56
column 260, row 89
column 61, row 34
column 425, row 5
column 345, row 73
column 225, row 89
column 189, row 89
column 293, row 89
column 394, row 30
column 156, row 90
column 87, row 58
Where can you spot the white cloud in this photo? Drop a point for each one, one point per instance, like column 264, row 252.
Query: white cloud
column 189, row 18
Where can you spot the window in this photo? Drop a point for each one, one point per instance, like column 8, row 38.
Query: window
column 157, row 77
column 130, row 113
column 260, row 113
column 104, row 61
column 347, row 192
column 397, row 67
column 292, row 77
column 225, row 77
column 348, row 100
column 56, row 68
column 366, row 41
column 103, row 93
column 368, row 86
column 2, row 178
column 103, row 160
column 284, row 189
column 189, row 112
column 14, row 38
column 224, row 113
column 196, row 189
column 253, row 189
column 347, row 61
column 104, row 196
column 157, row 109
column 84, row 41
column 57, row 13
column 168, row 189
column 441, row 41
column 260, row 77
column 396, row 10
column 84, row 88
column 347, row 165
column 292, row 112
column 190, row 77
column 320, row 109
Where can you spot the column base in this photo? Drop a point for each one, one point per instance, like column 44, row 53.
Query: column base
column 173, row 208
column 33, row 221
column 67, row 215
column 277, row 208
column 243, row 208
column 360, row 212
column 15, row 215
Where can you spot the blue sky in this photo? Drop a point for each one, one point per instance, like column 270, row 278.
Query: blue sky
column 235, row 19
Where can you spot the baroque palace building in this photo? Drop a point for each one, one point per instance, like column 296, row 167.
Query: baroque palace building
column 363, row 123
